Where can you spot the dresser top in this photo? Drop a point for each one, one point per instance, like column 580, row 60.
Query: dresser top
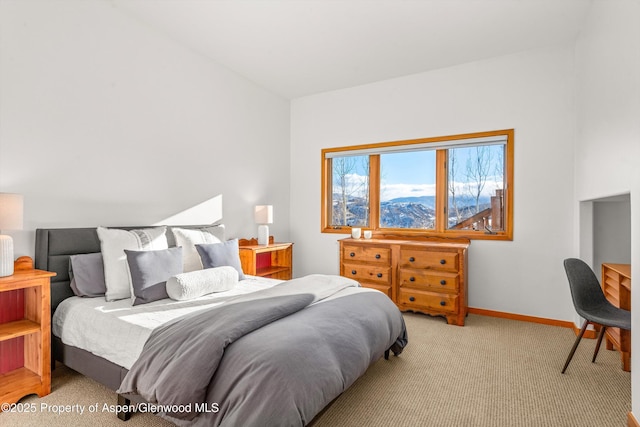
column 447, row 243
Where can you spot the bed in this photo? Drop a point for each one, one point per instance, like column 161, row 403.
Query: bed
column 263, row 352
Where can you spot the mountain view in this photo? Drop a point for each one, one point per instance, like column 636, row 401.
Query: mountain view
column 406, row 212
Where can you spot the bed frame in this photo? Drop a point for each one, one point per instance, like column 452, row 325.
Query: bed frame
column 54, row 246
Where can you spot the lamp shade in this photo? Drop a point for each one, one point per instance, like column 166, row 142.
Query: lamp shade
column 264, row 214
column 10, row 219
column 11, row 211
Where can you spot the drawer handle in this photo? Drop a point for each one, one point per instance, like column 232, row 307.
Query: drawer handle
column 412, row 299
column 411, row 259
column 353, row 272
column 352, row 254
column 443, row 282
column 412, row 279
column 377, row 256
column 443, row 303
column 379, row 274
column 443, row 261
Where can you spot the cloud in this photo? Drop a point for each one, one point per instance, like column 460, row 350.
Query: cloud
column 393, row 191
column 489, row 189
column 356, row 184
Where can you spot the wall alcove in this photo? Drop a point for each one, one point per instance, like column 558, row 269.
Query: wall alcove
column 605, row 230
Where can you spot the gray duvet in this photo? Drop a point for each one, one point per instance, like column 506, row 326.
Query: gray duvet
column 272, row 358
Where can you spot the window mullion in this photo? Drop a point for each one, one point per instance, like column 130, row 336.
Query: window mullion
column 326, row 190
column 374, row 191
column 441, row 191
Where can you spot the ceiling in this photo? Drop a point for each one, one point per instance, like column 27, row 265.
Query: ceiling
column 301, row 47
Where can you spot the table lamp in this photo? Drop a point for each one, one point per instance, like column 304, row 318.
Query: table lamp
column 263, row 215
column 10, row 219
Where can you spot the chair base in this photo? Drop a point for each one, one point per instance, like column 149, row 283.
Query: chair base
column 577, row 341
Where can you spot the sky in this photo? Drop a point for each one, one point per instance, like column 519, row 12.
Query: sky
column 408, row 175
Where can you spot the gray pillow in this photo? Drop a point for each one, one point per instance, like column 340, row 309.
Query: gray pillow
column 149, row 272
column 188, row 238
column 86, row 272
column 220, row 255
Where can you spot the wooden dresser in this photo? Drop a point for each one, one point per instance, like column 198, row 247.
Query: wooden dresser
column 616, row 285
column 427, row 276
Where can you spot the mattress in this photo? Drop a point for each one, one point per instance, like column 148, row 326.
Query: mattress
column 117, row 331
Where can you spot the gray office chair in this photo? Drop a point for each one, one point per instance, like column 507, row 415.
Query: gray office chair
column 590, row 303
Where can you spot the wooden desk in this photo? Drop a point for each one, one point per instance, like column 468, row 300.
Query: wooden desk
column 616, row 285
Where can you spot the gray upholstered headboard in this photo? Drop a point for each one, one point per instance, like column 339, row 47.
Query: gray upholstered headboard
column 54, row 246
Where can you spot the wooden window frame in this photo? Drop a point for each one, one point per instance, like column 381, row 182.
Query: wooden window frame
column 441, row 147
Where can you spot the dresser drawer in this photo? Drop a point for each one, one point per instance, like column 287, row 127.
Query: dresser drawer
column 371, row 273
column 447, row 261
column 384, row 288
column 429, row 280
column 409, row 298
column 369, row 254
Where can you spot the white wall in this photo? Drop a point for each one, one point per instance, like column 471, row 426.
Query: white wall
column 608, row 137
column 611, row 232
column 104, row 121
column 531, row 92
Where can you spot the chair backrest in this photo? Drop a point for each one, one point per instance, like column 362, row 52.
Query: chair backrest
column 585, row 287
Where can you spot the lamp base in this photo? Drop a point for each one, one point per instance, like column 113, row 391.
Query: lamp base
column 263, row 234
column 6, row 256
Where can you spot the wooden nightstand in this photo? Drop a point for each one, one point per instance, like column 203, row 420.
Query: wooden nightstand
column 273, row 260
column 25, row 332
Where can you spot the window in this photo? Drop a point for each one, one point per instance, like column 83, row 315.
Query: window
column 407, row 190
column 350, row 194
column 456, row 186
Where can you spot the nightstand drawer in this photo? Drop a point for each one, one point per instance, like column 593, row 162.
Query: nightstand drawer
column 429, row 259
column 409, row 298
column 369, row 273
column 369, row 254
column 429, row 280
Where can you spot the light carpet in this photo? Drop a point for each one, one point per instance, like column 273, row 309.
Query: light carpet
column 491, row 372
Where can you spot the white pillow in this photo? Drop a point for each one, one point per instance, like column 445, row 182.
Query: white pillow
column 113, row 242
column 195, row 284
column 188, row 238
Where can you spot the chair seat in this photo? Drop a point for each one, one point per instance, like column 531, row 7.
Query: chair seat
column 609, row 315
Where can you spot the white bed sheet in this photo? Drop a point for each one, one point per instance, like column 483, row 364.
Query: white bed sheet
column 117, row 331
